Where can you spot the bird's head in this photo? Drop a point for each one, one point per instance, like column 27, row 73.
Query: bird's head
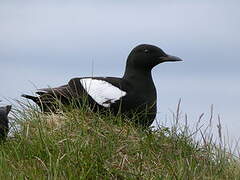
column 146, row 56
column 4, row 111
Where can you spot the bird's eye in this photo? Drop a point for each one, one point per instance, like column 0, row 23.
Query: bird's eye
column 146, row 50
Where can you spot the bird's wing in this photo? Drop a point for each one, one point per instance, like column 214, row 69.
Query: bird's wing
column 101, row 91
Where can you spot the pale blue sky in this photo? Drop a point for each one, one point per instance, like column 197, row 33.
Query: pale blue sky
column 48, row 42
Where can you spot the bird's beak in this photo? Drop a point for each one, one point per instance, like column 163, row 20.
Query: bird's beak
column 170, row 58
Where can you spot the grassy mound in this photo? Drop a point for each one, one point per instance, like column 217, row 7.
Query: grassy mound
column 79, row 144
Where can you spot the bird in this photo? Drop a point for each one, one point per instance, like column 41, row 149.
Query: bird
column 4, row 127
column 133, row 95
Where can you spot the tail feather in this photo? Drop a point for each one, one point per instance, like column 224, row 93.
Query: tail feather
column 40, row 93
column 45, row 102
column 49, row 98
column 33, row 98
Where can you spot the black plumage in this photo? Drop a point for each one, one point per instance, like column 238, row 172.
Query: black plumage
column 133, row 95
column 4, row 123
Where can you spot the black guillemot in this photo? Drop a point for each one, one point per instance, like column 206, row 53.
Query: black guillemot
column 133, row 95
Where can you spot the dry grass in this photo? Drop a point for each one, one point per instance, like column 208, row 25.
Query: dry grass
column 79, row 144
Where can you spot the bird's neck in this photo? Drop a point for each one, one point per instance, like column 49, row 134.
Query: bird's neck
column 138, row 75
column 141, row 83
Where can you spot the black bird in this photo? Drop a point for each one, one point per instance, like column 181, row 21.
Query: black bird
column 4, row 127
column 133, row 95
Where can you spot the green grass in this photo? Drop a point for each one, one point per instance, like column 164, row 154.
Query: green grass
column 79, row 144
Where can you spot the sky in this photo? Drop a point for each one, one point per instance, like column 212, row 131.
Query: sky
column 46, row 43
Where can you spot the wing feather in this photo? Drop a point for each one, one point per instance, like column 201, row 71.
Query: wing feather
column 103, row 92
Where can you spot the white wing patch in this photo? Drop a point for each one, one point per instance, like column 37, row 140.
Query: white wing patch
column 101, row 91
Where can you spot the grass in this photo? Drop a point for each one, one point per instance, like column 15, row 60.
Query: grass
column 79, row 144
